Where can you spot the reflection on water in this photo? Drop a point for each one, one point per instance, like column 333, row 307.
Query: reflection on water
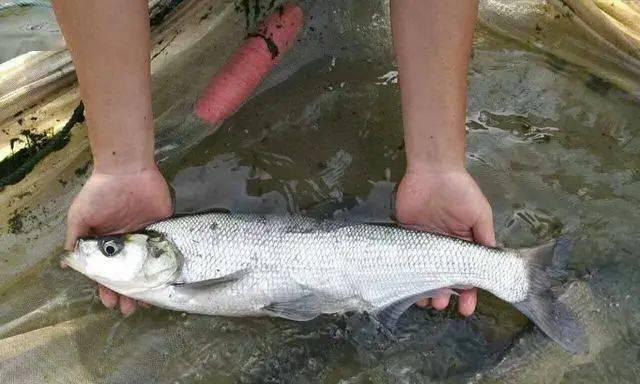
column 553, row 153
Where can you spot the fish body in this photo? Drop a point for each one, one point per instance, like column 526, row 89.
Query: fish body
column 351, row 267
column 298, row 268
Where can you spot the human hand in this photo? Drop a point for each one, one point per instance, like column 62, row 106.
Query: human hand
column 117, row 203
column 446, row 201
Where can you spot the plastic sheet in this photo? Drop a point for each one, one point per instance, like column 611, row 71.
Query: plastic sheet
column 600, row 36
column 27, row 26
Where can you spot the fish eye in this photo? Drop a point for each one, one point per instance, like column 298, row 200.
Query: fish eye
column 111, row 247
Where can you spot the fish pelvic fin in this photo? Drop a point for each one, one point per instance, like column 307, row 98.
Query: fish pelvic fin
column 541, row 306
column 302, row 309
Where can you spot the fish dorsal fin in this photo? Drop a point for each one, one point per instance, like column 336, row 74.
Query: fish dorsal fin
column 202, row 212
column 326, row 209
column 218, row 281
column 389, row 315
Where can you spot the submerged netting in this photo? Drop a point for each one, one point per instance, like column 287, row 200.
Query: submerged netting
column 552, row 140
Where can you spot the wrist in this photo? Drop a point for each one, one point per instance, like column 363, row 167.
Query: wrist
column 434, row 146
column 123, row 165
column 129, row 155
column 433, row 166
column 121, row 136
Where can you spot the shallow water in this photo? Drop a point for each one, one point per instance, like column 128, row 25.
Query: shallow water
column 554, row 149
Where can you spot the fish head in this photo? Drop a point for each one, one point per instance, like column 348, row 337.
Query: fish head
column 127, row 263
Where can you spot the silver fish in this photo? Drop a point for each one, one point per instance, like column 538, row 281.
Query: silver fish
column 298, row 268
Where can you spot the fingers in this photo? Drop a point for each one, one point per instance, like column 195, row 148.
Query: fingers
column 483, row 232
column 423, row 303
column 127, row 306
column 75, row 229
column 111, row 300
column 467, row 302
column 108, row 297
column 440, row 301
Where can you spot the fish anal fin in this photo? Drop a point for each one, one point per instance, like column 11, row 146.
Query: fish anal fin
column 390, row 314
column 218, row 281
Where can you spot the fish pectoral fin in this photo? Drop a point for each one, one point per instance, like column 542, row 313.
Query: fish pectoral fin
column 303, row 308
column 222, row 280
column 389, row 315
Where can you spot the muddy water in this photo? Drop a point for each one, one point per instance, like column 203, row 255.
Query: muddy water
column 554, row 149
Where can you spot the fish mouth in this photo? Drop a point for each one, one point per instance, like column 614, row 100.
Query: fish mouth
column 70, row 259
column 66, row 260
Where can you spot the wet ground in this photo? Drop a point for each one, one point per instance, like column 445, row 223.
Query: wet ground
column 554, row 149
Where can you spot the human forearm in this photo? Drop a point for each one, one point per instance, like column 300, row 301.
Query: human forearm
column 109, row 42
column 432, row 39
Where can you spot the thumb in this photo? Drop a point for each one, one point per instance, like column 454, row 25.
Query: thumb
column 483, row 232
column 76, row 228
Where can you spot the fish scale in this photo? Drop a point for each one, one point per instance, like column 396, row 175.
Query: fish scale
column 373, row 259
column 298, row 268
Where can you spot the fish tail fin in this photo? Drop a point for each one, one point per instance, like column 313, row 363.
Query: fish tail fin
column 541, row 306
